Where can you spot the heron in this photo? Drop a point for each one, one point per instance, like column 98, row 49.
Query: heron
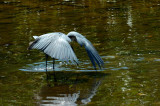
column 57, row 46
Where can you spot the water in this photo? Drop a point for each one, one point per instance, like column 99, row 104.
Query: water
column 125, row 33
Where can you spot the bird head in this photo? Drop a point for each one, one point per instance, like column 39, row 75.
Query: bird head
column 74, row 35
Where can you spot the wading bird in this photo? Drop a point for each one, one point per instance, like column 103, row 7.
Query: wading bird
column 57, row 45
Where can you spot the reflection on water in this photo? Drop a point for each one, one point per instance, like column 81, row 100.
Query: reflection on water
column 92, row 91
column 60, row 99
column 64, row 100
column 62, row 94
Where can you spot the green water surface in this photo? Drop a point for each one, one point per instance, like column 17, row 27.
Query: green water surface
column 126, row 33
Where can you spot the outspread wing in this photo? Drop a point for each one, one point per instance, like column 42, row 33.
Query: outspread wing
column 55, row 45
column 91, row 51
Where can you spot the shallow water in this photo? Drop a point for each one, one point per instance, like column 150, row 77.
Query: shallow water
column 125, row 33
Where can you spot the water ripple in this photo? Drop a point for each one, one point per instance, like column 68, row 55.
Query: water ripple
column 84, row 66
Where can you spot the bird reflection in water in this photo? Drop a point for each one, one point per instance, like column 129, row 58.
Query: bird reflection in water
column 65, row 100
column 92, row 92
column 79, row 92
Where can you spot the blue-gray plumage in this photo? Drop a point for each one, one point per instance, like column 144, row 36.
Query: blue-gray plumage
column 57, row 46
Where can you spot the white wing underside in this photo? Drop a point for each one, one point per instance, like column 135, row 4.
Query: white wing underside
column 56, row 45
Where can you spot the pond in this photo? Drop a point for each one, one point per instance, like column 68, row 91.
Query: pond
column 125, row 33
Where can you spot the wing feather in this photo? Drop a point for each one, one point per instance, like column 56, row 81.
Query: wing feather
column 93, row 54
column 92, row 59
column 55, row 45
column 91, row 51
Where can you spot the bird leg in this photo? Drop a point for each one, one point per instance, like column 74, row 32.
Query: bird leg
column 53, row 63
column 46, row 66
column 54, row 74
